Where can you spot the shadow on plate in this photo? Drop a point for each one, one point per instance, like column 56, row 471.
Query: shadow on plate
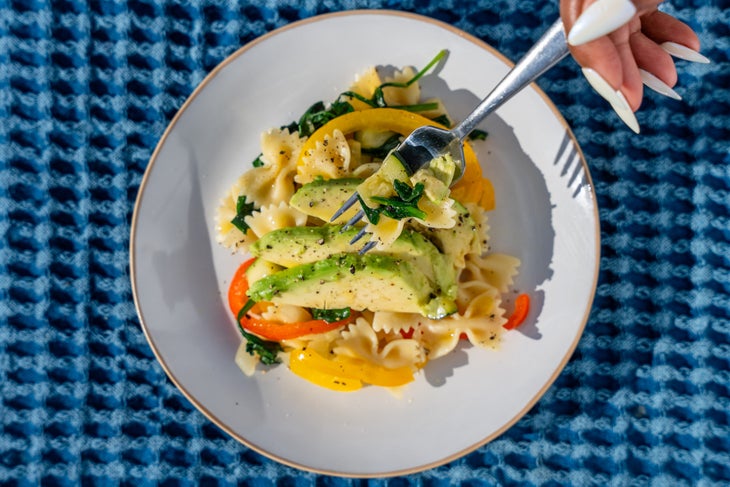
column 521, row 224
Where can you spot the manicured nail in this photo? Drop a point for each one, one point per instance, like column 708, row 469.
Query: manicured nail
column 599, row 19
column 658, row 85
column 684, row 52
column 614, row 97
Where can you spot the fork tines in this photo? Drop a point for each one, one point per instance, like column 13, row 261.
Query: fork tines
column 358, row 216
column 352, row 221
column 345, row 206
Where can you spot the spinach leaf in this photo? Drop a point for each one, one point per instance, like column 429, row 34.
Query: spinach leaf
column 330, row 315
column 292, row 127
column 443, row 120
column 378, row 98
column 403, row 205
column 372, row 214
column 417, row 107
column 318, row 115
column 243, row 209
column 406, row 193
column 246, row 307
column 266, row 350
column 258, row 162
column 478, row 135
column 398, row 209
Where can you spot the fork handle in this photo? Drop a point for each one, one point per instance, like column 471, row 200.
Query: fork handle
column 546, row 53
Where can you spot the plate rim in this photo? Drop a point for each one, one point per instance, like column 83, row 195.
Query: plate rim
column 172, row 124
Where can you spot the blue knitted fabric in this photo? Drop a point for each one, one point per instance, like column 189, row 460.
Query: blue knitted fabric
column 87, row 89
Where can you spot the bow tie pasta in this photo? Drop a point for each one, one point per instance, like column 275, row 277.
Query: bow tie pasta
column 307, row 297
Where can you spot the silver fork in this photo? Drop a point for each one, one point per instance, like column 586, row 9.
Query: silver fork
column 426, row 143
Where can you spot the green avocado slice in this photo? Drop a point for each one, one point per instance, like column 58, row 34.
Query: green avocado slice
column 370, row 281
column 289, row 247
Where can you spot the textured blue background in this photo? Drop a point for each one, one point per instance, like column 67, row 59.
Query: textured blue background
column 86, row 90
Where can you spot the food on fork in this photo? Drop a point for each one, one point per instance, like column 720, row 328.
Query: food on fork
column 306, row 296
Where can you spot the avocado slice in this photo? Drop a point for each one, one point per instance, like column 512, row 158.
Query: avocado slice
column 323, row 197
column 374, row 281
column 292, row 246
column 289, row 247
column 261, row 268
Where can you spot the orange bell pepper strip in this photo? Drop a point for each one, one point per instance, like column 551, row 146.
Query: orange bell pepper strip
column 270, row 330
column 276, row 331
column 239, row 286
column 522, row 307
column 470, row 187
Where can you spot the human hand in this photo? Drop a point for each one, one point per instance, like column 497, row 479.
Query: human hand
column 622, row 45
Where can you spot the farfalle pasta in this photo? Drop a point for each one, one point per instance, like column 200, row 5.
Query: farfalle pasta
column 308, row 298
column 273, row 217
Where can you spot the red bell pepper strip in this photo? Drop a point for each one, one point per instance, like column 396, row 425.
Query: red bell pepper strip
column 271, row 330
column 522, row 307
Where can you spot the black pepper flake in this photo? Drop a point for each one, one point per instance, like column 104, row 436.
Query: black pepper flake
column 352, row 269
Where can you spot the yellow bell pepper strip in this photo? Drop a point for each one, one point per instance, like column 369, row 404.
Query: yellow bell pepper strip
column 469, row 188
column 376, row 375
column 271, row 330
column 311, row 366
column 345, row 373
column 487, row 201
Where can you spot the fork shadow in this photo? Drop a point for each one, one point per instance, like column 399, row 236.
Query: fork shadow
column 521, row 224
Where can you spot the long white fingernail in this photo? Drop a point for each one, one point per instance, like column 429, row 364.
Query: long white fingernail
column 614, row 97
column 599, row 19
column 684, row 52
column 658, row 85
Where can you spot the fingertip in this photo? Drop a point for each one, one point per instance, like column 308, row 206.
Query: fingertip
column 661, row 27
column 600, row 18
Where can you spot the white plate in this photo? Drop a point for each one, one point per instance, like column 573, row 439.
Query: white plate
column 546, row 216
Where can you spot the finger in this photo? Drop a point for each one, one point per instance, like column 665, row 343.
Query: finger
column 644, row 6
column 588, row 20
column 651, row 57
column 661, row 27
column 631, row 84
column 603, row 66
column 602, row 56
column 591, row 20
